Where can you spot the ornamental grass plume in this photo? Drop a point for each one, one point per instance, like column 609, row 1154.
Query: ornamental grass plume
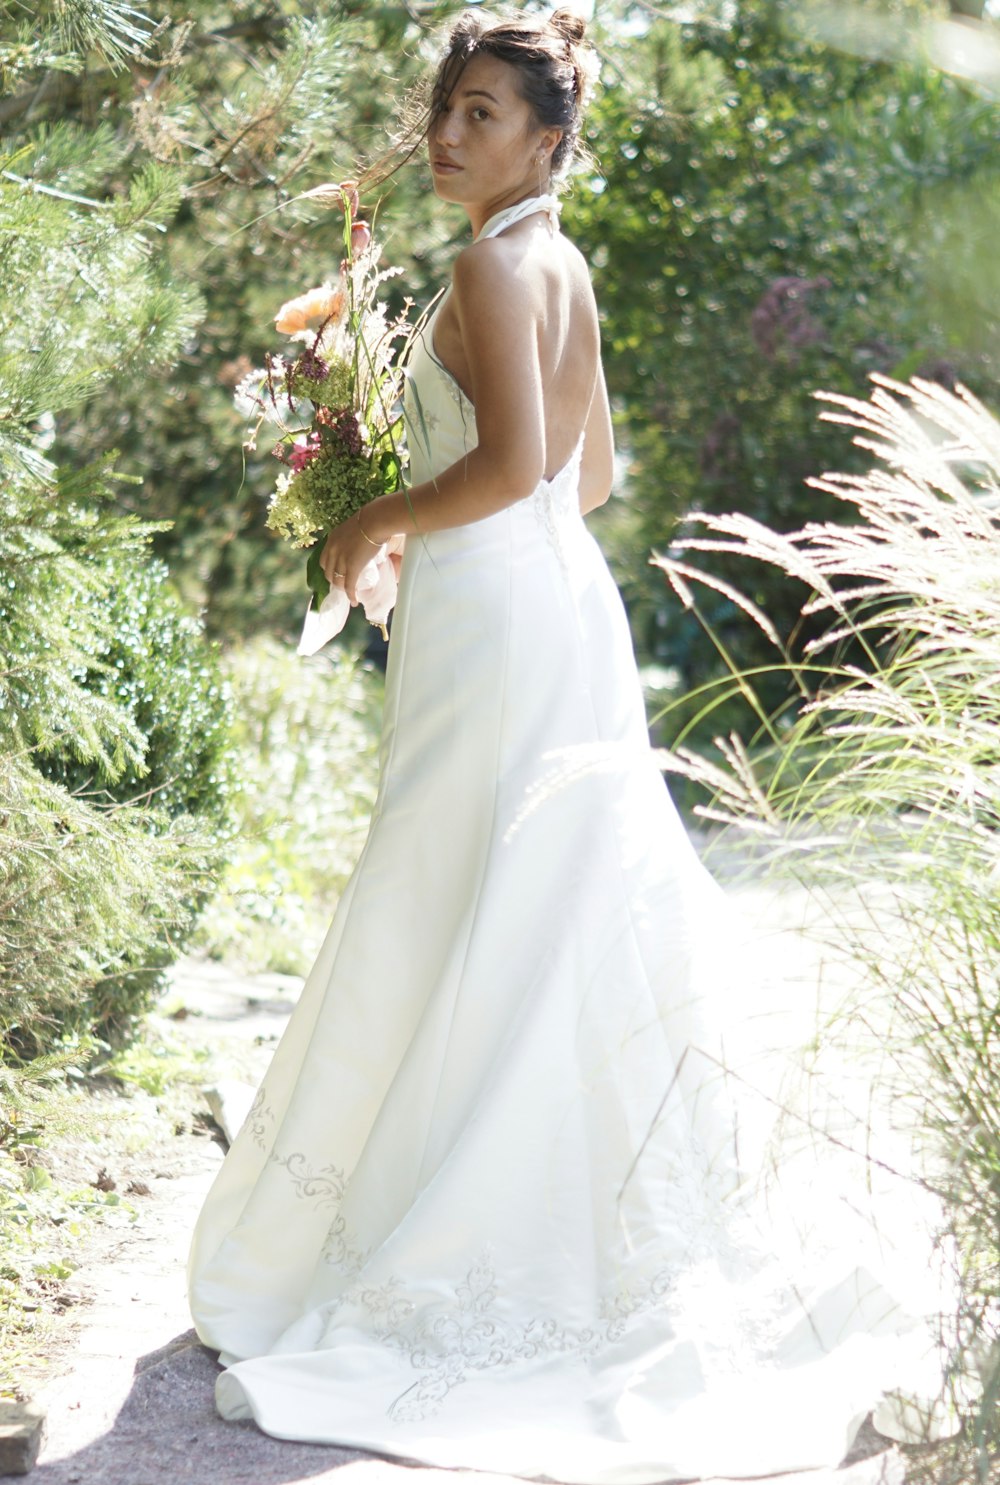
column 881, row 792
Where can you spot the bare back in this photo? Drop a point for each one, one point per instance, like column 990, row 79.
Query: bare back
column 542, row 267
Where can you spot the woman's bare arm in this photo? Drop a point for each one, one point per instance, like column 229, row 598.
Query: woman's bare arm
column 598, row 466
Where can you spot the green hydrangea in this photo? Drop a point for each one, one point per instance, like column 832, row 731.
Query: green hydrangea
column 328, row 490
column 335, row 390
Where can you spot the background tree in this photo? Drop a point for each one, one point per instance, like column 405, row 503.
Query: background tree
column 769, row 212
column 249, row 112
column 777, row 215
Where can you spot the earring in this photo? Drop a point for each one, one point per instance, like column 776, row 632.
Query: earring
column 538, row 163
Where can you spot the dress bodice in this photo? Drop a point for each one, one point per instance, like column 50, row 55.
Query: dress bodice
column 441, row 419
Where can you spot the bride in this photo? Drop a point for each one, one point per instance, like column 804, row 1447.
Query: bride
column 488, row 1209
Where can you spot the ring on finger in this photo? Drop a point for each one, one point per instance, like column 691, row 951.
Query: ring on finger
column 340, row 574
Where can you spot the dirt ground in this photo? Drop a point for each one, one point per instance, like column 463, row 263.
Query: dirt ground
column 129, row 1389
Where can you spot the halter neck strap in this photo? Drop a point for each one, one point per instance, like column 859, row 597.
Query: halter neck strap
column 511, row 214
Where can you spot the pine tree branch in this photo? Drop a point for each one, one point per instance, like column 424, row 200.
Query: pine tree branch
column 262, row 27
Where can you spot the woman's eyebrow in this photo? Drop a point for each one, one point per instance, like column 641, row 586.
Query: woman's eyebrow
column 479, row 93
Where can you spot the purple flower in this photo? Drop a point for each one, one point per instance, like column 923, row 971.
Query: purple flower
column 312, row 366
column 342, row 423
column 781, row 317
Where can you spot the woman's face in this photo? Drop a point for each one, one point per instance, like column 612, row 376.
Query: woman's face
column 485, row 142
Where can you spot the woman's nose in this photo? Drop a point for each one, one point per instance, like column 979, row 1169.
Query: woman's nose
column 447, row 128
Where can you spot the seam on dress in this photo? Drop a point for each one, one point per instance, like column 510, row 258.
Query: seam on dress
column 428, row 339
column 390, row 755
column 502, row 705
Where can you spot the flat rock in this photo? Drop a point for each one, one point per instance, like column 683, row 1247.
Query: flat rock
column 229, row 1102
column 22, row 1427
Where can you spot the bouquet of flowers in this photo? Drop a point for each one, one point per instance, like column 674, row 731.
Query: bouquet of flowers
column 335, row 398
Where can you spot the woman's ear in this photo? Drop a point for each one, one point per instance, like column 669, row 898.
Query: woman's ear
column 548, row 144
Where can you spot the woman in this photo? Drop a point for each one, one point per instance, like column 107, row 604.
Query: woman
column 487, row 1208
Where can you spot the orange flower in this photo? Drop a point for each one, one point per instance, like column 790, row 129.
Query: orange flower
column 361, row 236
column 311, row 310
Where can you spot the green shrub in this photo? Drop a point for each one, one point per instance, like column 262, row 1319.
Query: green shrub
column 94, row 899
column 151, row 663
column 154, row 663
column 108, row 695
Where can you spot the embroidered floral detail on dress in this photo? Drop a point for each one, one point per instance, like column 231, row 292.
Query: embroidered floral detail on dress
column 386, row 1303
column 325, row 1187
column 339, row 1249
column 617, row 1311
column 454, row 390
column 259, row 1120
column 447, row 1343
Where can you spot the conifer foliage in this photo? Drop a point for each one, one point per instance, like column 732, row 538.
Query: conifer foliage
column 103, row 856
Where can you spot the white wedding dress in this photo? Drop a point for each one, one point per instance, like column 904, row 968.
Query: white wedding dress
column 488, row 1208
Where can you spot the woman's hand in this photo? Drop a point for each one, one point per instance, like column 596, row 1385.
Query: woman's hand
column 346, row 553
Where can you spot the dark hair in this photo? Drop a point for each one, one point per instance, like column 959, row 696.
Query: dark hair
column 555, row 69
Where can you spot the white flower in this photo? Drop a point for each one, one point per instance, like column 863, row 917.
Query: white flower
column 247, row 397
column 252, row 399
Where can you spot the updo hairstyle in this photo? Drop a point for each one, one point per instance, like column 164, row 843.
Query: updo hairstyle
column 555, row 69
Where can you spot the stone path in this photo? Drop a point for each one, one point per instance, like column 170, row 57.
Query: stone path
column 133, row 1404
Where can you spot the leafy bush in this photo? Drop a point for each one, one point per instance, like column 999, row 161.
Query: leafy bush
column 307, row 735
column 777, row 213
column 153, row 663
column 114, row 770
column 97, row 889
column 93, row 900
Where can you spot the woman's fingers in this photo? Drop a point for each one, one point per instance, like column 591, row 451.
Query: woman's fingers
column 328, row 562
column 352, row 575
column 336, row 569
column 343, row 560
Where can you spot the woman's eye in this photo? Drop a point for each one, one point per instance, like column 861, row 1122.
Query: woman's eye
column 480, row 113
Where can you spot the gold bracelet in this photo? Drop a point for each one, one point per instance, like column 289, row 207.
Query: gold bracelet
column 364, row 533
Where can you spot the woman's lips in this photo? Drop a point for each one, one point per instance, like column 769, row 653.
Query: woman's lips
column 444, row 167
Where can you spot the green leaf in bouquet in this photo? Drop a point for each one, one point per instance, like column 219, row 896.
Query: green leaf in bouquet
column 392, row 471
column 316, row 579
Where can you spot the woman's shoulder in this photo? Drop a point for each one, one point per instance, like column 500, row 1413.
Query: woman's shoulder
column 512, row 262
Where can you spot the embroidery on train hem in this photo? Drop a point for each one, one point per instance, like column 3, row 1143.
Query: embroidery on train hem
column 450, row 1343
